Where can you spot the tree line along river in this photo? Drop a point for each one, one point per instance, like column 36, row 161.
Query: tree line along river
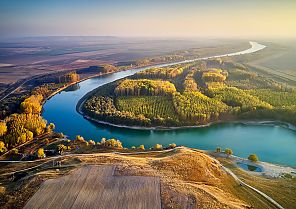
column 272, row 143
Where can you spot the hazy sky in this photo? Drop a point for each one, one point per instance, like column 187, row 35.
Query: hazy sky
column 169, row 18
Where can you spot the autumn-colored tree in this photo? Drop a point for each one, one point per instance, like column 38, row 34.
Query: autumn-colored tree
column 253, row 157
column 3, row 128
column 61, row 148
column 40, row 153
column 157, row 147
column 2, row 147
column 141, row 147
column 50, row 127
column 91, row 142
column 79, row 138
column 111, row 143
column 228, row 151
column 14, row 151
column 172, row 146
column 32, row 105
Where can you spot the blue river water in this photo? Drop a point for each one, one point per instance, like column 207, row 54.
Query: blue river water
column 271, row 143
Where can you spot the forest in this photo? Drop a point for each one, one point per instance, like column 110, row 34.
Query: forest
column 192, row 94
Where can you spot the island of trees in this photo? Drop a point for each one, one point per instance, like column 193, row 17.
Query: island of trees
column 192, row 94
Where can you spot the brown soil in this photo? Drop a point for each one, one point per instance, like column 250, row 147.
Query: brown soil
column 188, row 179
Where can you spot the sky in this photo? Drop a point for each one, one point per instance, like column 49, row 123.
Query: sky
column 149, row 18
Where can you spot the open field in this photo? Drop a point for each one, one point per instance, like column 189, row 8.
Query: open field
column 94, row 187
column 25, row 57
column 276, row 61
column 203, row 184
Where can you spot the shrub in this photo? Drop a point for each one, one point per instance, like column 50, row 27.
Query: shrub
column 61, row 148
column 228, row 151
column 79, row 138
column 3, row 128
column 91, row 142
column 111, row 143
column 253, row 157
column 40, row 153
column 133, row 147
column 218, row 149
column 50, row 127
column 2, row 147
column 157, row 147
column 60, row 135
column 141, row 147
column 14, row 151
column 172, row 146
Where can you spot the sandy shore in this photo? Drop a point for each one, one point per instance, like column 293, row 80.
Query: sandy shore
column 267, row 169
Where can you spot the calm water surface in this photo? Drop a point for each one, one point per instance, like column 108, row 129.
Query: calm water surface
column 271, row 143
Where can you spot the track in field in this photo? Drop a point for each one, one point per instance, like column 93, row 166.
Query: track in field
column 92, row 187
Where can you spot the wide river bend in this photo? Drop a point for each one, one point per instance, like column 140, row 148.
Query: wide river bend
column 272, row 143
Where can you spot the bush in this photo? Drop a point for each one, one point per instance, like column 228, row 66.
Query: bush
column 157, row 147
column 253, row 157
column 91, row 142
column 3, row 128
column 14, row 151
column 111, row 143
column 61, row 148
column 228, row 151
column 218, row 149
column 60, row 135
column 141, row 147
column 2, row 147
column 79, row 138
column 172, row 146
column 50, row 127
column 133, row 147
column 40, row 153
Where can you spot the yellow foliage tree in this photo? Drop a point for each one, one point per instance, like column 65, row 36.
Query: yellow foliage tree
column 3, row 128
column 40, row 153
column 32, row 105
column 2, row 147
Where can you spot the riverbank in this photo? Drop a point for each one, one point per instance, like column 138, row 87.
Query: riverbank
column 164, row 128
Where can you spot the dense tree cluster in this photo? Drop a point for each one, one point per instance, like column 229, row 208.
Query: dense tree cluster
column 238, row 74
column 235, row 97
column 214, row 75
column 22, row 127
column 150, row 106
column 197, row 107
column 113, row 143
column 32, row 105
column 275, row 98
column 208, row 95
column 244, row 79
column 69, row 78
column 190, row 83
column 103, row 108
column 161, row 73
column 144, row 87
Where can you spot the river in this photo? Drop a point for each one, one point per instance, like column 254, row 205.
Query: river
column 271, row 143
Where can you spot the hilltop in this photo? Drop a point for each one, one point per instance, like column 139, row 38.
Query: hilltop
column 203, row 184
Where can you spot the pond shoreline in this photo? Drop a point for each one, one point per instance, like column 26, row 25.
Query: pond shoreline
column 268, row 169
